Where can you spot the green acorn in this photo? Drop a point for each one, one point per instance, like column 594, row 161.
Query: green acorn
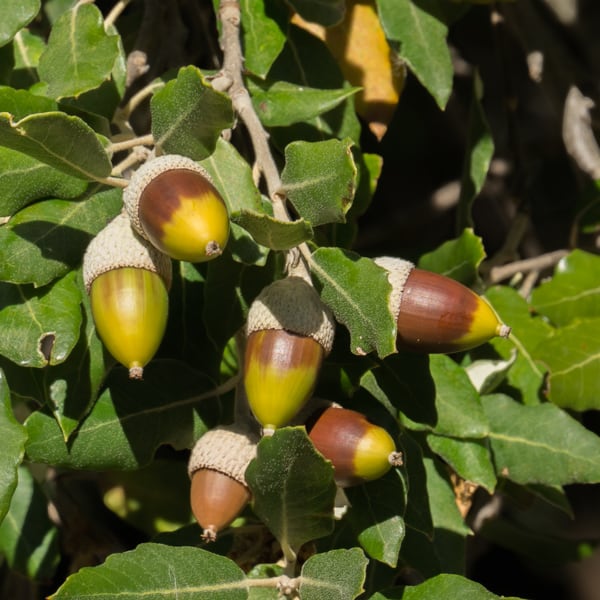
column 217, row 465
column 172, row 202
column 289, row 332
column 435, row 313
column 127, row 280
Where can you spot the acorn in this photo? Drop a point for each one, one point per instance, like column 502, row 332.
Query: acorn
column 435, row 313
column 217, row 465
column 358, row 450
column 289, row 333
column 128, row 281
column 173, row 203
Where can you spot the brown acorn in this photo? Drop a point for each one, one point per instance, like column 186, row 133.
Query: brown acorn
column 217, row 465
column 172, row 202
column 435, row 313
column 358, row 450
column 289, row 332
column 128, row 282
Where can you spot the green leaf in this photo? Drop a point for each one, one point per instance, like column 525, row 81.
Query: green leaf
column 71, row 388
column 404, row 381
column 357, row 291
column 188, row 115
column 458, row 411
column 130, row 420
column 376, row 515
column 13, row 436
column 63, row 142
column 471, row 459
column 292, row 488
column 158, row 572
column 15, row 16
column 418, row 28
column 573, row 292
column 319, row 178
column 306, row 60
column 442, row 586
column 458, row 259
column 20, row 103
column 418, row 513
column 525, row 377
column 450, row 530
column 80, row 54
column 274, row 234
column 24, row 179
column 479, row 153
column 44, row 241
column 263, row 33
column 333, row 575
column 40, row 326
column 324, row 12
column 280, row 103
column 540, row 444
column 27, row 52
column 572, row 357
column 28, row 539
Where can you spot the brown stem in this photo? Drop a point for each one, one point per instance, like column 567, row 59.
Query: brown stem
column 230, row 80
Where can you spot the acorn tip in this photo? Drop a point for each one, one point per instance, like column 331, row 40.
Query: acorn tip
column 504, row 330
column 268, row 431
column 136, row 372
column 209, row 534
column 213, row 249
column 396, row 459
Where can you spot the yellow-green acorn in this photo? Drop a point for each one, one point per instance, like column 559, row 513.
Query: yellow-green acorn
column 435, row 313
column 358, row 450
column 289, row 332
column 172, row 202
column 218, row 462
column 128, row 282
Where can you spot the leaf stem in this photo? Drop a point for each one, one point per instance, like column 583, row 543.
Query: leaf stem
column 113, row 181
column 144, row 140
column 115, row 13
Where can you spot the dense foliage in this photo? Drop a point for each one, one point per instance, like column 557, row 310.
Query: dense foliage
column 316, row 149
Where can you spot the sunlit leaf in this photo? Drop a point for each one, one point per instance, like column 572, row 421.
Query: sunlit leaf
column 158, row 572
column 356, row 290
column 188, row 115
column 80, row 54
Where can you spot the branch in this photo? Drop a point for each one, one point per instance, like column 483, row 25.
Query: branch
column 537, row 263
column 230, row 80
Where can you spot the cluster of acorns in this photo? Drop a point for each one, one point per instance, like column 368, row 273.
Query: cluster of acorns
column 174, row 211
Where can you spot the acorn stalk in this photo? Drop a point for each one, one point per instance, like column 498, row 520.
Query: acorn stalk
column 358, row 450
column 289, row 333
column 217, row 466
column 127, row 280
column 172, row 202
column 435, row 313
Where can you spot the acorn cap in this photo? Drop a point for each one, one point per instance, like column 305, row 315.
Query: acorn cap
column 398, row 271
column 294, row 305
column 146, row 173
column 226, row 449
column 118, row 246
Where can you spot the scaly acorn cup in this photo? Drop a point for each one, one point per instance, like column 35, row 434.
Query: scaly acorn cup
column 172, row 202
column 127, row 280
column 358, row 450
column 217, row 465
column 435, row 313
column 289, row 332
